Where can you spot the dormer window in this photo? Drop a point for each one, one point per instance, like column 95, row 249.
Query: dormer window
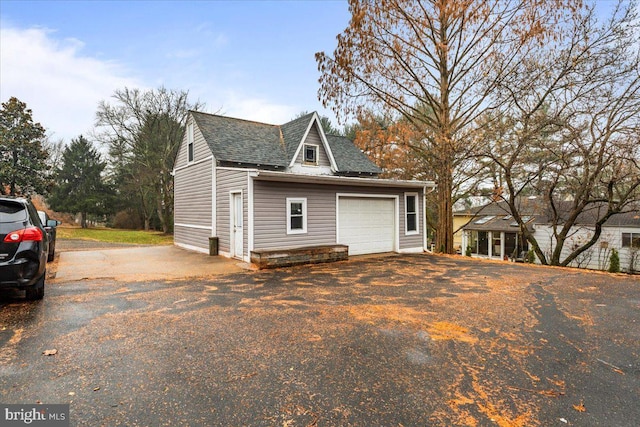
column 310, row 154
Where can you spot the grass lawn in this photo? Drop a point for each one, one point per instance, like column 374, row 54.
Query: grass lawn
column 116, row 236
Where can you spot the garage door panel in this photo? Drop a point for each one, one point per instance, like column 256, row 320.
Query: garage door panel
column 367, row 225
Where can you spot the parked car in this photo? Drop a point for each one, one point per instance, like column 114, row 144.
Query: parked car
column 50, row 227
column 24, row 247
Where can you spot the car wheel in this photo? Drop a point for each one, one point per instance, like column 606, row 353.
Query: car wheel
column 52, row 253
column 36, row 292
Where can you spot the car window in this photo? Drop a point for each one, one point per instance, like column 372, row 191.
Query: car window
column 43, row 217
column 12, row 212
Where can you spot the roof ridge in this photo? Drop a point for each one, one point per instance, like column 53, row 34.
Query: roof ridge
column 306, row 116
column 235, row 118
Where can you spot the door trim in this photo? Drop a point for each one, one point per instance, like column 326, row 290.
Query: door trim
column 233, row 249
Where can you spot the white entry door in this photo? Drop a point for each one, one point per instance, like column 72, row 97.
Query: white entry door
column 236, row 224
column 367, row 225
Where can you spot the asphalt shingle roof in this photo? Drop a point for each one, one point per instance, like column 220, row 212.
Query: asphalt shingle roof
column 541, row 214
column 349, row 157
column 242, row 141
column 247, row 142
column 293, row 132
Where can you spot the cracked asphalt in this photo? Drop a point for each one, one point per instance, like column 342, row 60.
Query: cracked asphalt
column 403, row 340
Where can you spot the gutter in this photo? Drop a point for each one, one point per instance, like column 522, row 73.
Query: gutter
column 338, row 180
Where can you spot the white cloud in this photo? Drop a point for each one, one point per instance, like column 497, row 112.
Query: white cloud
column 255, row 108
column 63, row 83
column 56, row 80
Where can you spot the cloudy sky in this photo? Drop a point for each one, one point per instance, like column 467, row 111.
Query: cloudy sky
column 252, row 60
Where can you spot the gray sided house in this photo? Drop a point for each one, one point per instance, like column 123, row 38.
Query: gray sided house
column 258, row 187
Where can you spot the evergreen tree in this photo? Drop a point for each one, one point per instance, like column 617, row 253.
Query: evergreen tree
column 614, row 262
column 81, row 187
column 23, row 160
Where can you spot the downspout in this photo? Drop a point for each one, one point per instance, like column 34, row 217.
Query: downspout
column 250, row 212
column 424, row 216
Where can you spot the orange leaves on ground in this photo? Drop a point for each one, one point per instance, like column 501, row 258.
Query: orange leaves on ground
column 387, row 312
column 580, row 407
column 450, row 331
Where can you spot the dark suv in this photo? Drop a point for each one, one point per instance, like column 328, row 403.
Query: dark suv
column 24, row 246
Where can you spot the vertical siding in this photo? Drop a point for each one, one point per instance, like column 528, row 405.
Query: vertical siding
column 228, row 180
column 193, row 189
column 200, row 148
column 314, row 138
column 270, row 222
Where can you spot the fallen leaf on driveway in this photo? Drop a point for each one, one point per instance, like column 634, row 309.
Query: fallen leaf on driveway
column 50, row 352
column 580, row 407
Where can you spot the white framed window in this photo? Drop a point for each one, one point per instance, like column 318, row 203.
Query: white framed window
column 296, row 215
column 310, row 153
column 631, row 240
column 190, row 142
column 411, row 213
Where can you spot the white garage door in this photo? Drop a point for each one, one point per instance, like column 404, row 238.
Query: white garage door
column 366, row 225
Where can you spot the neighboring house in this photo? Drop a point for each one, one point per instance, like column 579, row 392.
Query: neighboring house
column 253, row 186
column 491, row 232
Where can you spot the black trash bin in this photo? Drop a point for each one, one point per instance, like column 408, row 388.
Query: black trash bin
column 213, row 246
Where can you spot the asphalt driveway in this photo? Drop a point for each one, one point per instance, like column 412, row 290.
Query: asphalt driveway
column 403, row 340
column 85, row 260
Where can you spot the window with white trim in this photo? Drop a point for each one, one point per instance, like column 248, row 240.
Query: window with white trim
column 190, row 142
column 310, row 153
column 631, row 240
column 296, row 216
column 411, row 213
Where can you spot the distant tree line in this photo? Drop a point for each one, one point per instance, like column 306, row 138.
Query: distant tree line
column 130, row 185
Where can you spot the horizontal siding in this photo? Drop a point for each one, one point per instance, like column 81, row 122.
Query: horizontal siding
column 200, row 148
column 228, row 181
column 413, row 240
column 192, row 237
column 193, row 189
column 597, row 257
column 270, row 222
column 270, row 215
column 314, row 138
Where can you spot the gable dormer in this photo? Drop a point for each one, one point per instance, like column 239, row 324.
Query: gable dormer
column 313, row 154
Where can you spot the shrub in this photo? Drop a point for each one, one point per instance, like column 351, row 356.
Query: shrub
column 468, row 251
column 614, row 262
column 127, row 220
column 531, row 256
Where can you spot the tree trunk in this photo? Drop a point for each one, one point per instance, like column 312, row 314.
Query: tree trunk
column 83, row 219
column 162, row 215
column 444, row 229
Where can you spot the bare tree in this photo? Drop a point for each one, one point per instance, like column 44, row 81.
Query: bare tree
column 569, row 129
column 435, row 63
column 143, row 130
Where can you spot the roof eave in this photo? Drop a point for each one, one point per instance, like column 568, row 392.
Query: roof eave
column 338, row 180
